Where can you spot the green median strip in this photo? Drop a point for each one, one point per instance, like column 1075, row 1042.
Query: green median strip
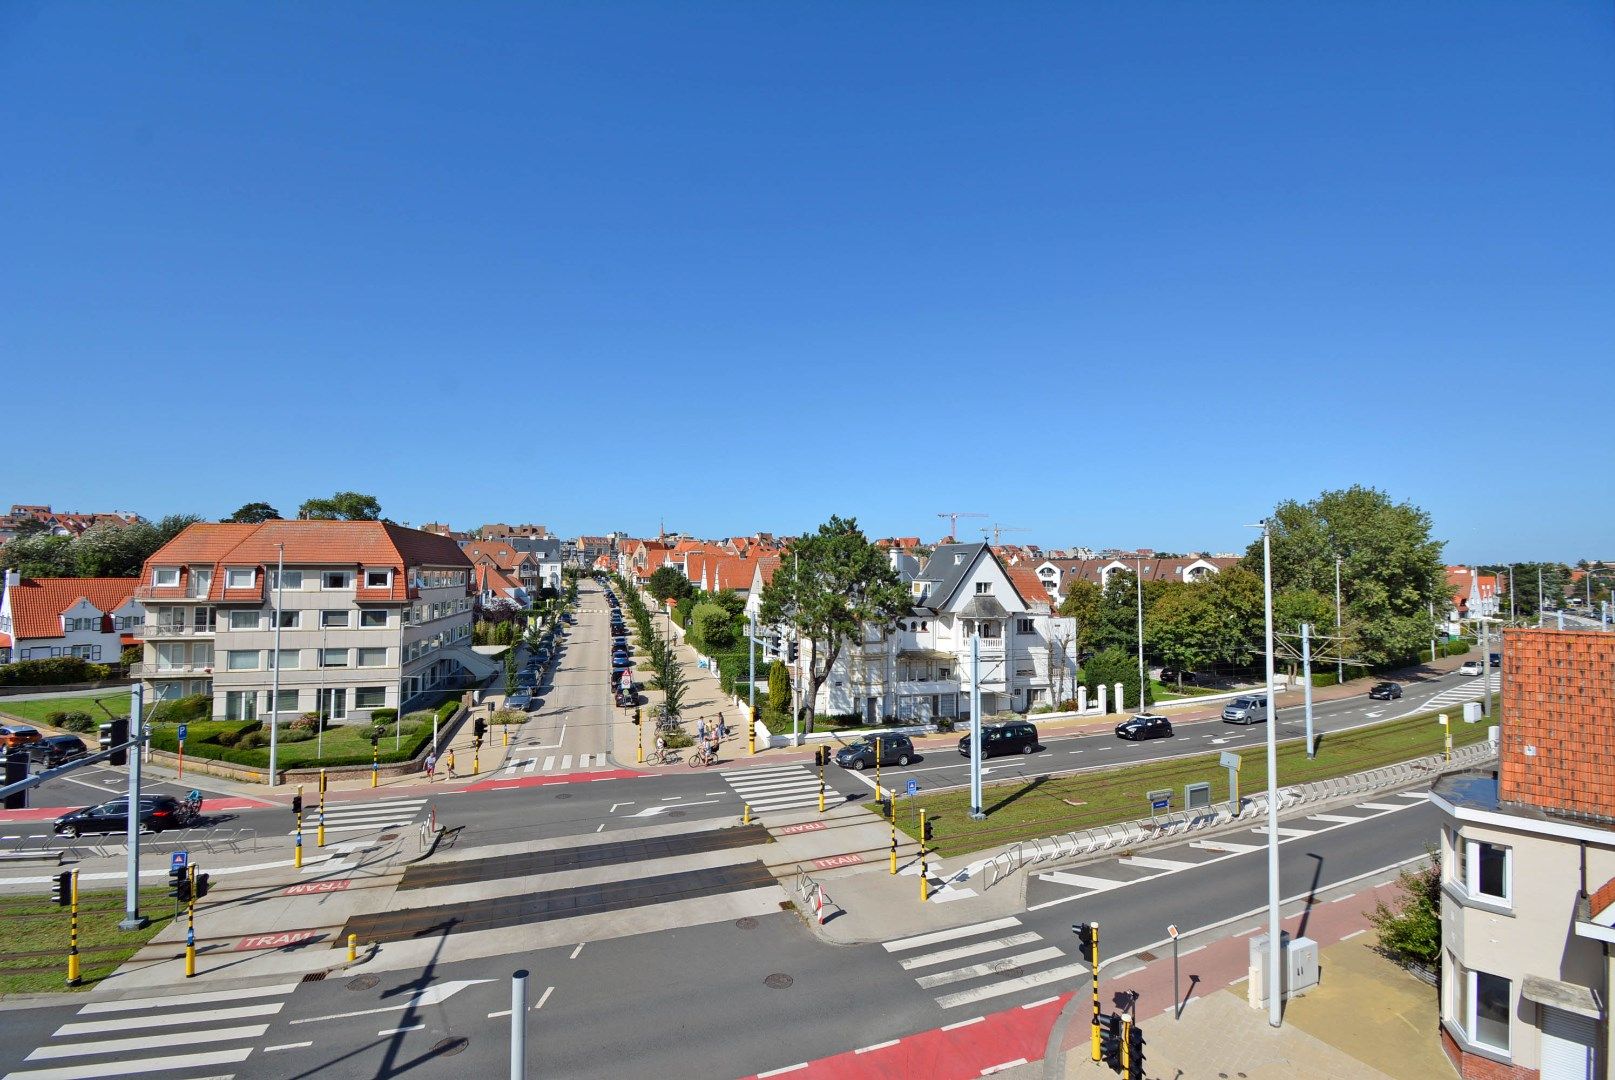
column 35, row 956
column 1047, row 806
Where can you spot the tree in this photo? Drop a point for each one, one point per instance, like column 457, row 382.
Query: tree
column 834, row 584
column 779, row 689
column 1108, row 668
column 254, row 512
column 667, row 583
column 712, row 629
column 343, row 506
column 172, row 525
column 1391, row 571
column 1410, row 932
column 1293, row 607
column 40, row 555
column 1081, row 603
column 1240, row 618
column 1181, row 628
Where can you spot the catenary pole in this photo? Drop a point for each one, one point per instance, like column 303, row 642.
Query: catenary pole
column 274, row 681
column 976, row 812
column 1275, row 1015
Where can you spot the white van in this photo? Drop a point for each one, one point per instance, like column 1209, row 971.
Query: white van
column 1250, row 709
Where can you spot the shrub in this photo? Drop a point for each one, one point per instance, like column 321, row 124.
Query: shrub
column 131, row 655
column 383, row 716
column 448, row 709
column 1410, row 933
column 55, row 717
column 1068, row 705
column 306, row 722
column 251, row 740
column 295, row 734
column 97, row 672
column 418, row 718
column 79, row 722
column 195, row 707
column 509, row 716
column 678, row 739
column 57, row 669
column 1110, row 667
column 1457, row 648
column 944, row 724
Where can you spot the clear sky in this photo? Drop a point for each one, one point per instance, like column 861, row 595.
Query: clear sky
column 1115, row 273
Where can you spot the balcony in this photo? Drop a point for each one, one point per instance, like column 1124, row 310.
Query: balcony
column 156, row 631
column 169, row 671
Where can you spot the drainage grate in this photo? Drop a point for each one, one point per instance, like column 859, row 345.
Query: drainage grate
column 778, row 981
column 1148, row 957
column 314, row 976
column 564, row 795
column 388, row 836
column 747, row 923
column 362, row 982
column 448, row 1047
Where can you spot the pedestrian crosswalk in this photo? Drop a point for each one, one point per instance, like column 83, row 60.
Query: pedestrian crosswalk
column 983, row 961
column 360, row 816
column 785, row 787
column 1104, row 875
column 530, row 762
column 1467, row 691
column 214, row 1030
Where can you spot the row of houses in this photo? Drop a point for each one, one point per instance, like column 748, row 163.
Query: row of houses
column 24, row 517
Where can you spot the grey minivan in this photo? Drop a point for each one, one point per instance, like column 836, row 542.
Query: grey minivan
column 1249, row 709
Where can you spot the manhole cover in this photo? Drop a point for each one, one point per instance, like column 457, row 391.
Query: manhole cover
column 449, row 1046
column 748, row 923
column 362, row 982
column 388, row 836
column 677, row 813
column 1148, row 956
column 777, row 981
column 564, row 795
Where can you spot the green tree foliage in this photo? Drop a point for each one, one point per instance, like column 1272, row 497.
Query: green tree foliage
column 1410, row 932
column 1082, row 603
column 1554, row 579
column 1391, row 568
column 1181, row 629
column 1293, row 607
column 254, row 512
column 667, row 583
column 510, row 670
column 1108, row 668
column 40, row 555
column 343, row 506
column 107, row 550
column 834, row 583
column 779, row 689
column 712, row 629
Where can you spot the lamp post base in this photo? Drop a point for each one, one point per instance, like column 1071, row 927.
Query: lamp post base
column 139, row 922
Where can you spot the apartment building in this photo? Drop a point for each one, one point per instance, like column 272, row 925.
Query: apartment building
column 370, row 615
column 91, row 618
column 1528, row 872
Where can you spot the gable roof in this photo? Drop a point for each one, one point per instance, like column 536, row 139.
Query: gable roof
column 37, row 603
column 1023, row 576
column 945, row 569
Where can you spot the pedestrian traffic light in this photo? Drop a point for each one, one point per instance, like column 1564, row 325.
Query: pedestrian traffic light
column 176, row 875
column 930, row 830
column 201, row 885
column 297, row 804
column 1135, row 1052
column 62, row 888
column 1110, row 1042
column 1087, row 939
column 636, row 714
column 182, row 888
column 820, row 754
column 479, row 727
column 119, row 736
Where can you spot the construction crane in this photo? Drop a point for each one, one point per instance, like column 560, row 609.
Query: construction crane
column 999, row 530
column 953, row 517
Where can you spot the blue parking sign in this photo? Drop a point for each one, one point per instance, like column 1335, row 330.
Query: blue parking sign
column 913, row 786
column 179, row 860
column 181, row 732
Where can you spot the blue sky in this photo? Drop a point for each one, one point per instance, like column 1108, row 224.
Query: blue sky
column 1117, row 274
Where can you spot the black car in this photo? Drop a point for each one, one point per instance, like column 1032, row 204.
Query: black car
column 1015, row 737
column 1144, row 726
column 52, row 750
column 1497, row 660
column 157, row 812
column 894, row 750
column 1385, row 691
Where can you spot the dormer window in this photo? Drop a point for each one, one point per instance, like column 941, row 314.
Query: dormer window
column 240, row 577
column 377, row 579
column 984, row 588
column 958, row 558
column 165, row 576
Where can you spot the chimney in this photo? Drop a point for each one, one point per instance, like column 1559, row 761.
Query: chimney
column 13, row 579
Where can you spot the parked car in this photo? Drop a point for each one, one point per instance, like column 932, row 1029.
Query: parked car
column 1469, row 667
column 519, row 701
column 1015, row 737
column 52, row 750
column 1248, row 709
column 157, row 812
column 1173, row 675
column 1385, row 691
column 527, row 679
column 894, row 750
column 1144, row 726
column 1496, row 659
column 18, row 735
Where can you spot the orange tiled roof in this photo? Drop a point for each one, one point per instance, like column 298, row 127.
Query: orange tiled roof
column 37, row 603
column 1024, row 577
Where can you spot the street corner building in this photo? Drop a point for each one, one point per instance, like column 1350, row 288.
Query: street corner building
column 1528, row 871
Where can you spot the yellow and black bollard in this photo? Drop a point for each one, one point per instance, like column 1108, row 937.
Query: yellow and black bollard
column 297, row 812
column 320, row 832
column 751, row 733
column 73, row 932
column 190, row 921
column 925, row 885
column 1127, row 1044
column 476, row 755
column 1092, row 947
column 375, row 756
column 639, row 733
column 353, row 947
column 894, row 843
column 745, row 814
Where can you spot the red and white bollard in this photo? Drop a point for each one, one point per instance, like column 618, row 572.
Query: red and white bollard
column 819, row 903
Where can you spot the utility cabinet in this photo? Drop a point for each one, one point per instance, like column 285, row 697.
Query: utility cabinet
column 1298, row 966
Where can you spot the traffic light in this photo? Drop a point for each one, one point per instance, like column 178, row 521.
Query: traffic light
column 15, row 773
column 479, row 727
column 1135, row 1052
column 1110, row 1042
column 182, row 888
column 476, row 742
column 375, row 737
column 120, row 735
column 62, row 888
column 636, row 714
column 297, row 804
column 820, row 754
column 930, row 830
column 177, row 879
column 1087, row 939
column 201, row 885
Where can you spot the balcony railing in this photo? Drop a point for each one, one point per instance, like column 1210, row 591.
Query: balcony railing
column 153, row 631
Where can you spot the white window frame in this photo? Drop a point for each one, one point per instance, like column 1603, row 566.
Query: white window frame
column 1472, row 870
column 1469, row 1010
column 236, row 624
column 363, row 694
column 289, row 659
column 370, row 613
column 346, row 577
column 984, row 588
column 230, row 659
column 385, row 582
column 359, row 661
column 328, row 616
column 291, row 618
column 165, row 577
column 233, row 574
column 292, row 579
column 327, row 654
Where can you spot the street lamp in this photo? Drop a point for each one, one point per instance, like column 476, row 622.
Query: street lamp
column 1138, row 582
column 1340, row 651
column 274, row 680
column 1274, row 925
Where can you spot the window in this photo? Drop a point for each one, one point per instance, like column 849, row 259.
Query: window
column 1483, row 1004
column 369, row 697
column 1025, row 626
column 167, row 576
column 288, row 702
column 240, row 577
column 204, row 620
column 82, row 624
column 371, row 619
column 984, row 588
column 372, row 657
column 291, row 620
column 242, row 659
column 333, row 658
column 377, row 579
column 336, row 579
column 334, row 620
column 243, row 620
column 1485, row 870
column 289, row 579
column 290, row 659
column 943, row 671
column 335, row 703
column 241, row 705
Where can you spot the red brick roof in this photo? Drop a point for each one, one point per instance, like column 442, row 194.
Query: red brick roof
column 1024, row 577
column 37, row 603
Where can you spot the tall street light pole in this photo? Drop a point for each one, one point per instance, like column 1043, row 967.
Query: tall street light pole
column 1340, row 649
column 1275, row 993
column 274, row 681
column 1138, row 581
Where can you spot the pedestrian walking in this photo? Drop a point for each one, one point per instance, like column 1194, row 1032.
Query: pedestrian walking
column 701, row 730
column 431, row 767
column 448, row 763
column 723, row 729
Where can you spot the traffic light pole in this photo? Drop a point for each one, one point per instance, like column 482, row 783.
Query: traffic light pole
column 132, row 919
column 73, row 935
column 190, row 923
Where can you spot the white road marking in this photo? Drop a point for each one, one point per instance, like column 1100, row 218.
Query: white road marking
column 876, row 1046
column 1224, row 846
column 545, row 996
column 949, row 935
column 1262, row 831
column 577, row 950
column 161, row 1019
column 399, row 1030
column 968, row 950
column 963, row 1023
column 1377, row 806
column 146, row 1042
column 991, row 967
column 1009, row 986
column 549, row 763
column 1155, row 864
column 1060, row 877
column 288, row 1046
column 780, row 1072
column 84, row 1071
column 1003, row 1066
column 1339, row 818
column 155, row 1003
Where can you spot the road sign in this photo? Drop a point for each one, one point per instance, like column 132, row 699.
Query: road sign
column 181, row 733
column 1160, row 799
column 913, row 786
column 179, row 860
column 1229, row 760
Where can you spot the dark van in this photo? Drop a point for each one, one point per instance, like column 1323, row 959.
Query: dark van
column 1015, row 737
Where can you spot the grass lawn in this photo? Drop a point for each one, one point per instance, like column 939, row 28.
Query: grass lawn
column 1170, row 691
column 36, row 956
column 116, row 701
column 1044, row 806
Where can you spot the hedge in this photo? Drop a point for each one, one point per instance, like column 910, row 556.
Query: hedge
column 57, row 669
column 185, row 709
